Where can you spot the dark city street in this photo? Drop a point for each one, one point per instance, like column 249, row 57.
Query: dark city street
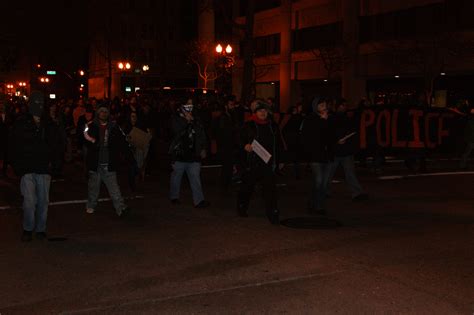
column 409, row 249
column 237, row 157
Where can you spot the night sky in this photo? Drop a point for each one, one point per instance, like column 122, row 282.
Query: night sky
column 52, row 32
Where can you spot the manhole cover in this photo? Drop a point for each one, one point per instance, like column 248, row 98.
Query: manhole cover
column 316, row 223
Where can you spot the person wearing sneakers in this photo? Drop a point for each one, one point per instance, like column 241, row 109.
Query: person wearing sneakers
column 260, row 128
column 105, row 143
column 32, row 141
column 187, row 149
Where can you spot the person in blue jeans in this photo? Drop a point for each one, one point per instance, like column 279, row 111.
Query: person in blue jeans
column 105, row 143
column 344, row 150
column 187, row 149
column 32, row 141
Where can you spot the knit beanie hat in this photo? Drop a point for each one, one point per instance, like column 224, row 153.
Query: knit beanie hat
column 261, row 105
column 102, row 108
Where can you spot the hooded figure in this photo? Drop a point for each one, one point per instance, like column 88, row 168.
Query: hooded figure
column 187, row 149
column 318, row 139
column 32, row 142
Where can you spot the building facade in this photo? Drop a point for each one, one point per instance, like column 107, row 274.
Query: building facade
column 398, row 51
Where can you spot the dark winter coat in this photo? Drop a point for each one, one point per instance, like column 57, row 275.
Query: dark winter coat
column 32, row 146
column 292, row 136
column 344, row 126
column 268, row 135
column 318, row 139
column 117, row 145
column 5, row 126
column 189, row 139
column 226, row 133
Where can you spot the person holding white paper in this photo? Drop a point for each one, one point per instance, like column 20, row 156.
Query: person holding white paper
column 261, row 140
column 344, row 151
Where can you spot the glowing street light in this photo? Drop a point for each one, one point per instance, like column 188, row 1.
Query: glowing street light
column 124, row 65
column 220, row 49
column 146, row 68
column 81, row 73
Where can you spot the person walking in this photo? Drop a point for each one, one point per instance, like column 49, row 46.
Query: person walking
column 187, row 149
column 105, row 143
column 139, row 138
column 226, row 144
column 262, row 130
column 292, row 136
column 318, row 141
column 32, row 144
column 5, row 125
column 344, row 150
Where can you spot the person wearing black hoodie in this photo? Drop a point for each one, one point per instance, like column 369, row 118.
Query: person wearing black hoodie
column 262, row 130
column 318, row 143
column 344, row 150
column 226, row 143
column 32, row 142
column 187, row 149
column 105, row 143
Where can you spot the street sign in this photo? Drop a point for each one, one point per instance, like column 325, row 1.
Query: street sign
column 51, row 72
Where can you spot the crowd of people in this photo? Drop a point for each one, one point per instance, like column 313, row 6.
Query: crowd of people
column 253, row 142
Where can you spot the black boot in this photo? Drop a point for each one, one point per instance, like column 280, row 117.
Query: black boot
column 273, row 216
column 242, row 210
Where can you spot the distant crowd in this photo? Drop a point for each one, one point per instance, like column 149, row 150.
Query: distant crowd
column 252, row 142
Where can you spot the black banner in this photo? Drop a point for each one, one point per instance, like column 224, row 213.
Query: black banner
column 400, row 128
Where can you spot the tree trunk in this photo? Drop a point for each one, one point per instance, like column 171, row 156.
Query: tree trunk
column 248, row 79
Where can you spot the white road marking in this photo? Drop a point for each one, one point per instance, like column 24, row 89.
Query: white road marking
column 425, row 175
column 211, row 166
column 72, row 202
column 203, row 292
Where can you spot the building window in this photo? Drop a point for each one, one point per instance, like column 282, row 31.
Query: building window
column 260, row 5
column 414, row 22
column 318, row 36
column 267, row 45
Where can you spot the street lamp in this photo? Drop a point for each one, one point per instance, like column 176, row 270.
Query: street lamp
column 145, row 68
column 124, row 65
column 81, row 73
column 220, row 49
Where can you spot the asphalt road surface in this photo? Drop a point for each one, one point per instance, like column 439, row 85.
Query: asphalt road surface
column 407, row 250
